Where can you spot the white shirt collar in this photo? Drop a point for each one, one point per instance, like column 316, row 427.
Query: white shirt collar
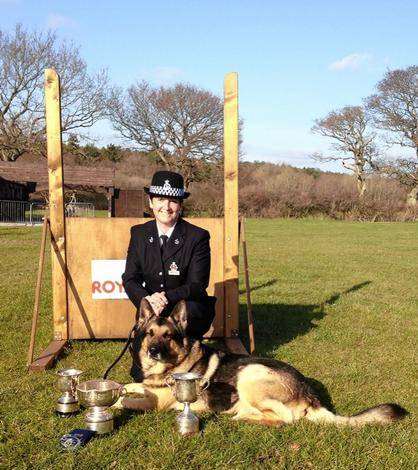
column 168, row 233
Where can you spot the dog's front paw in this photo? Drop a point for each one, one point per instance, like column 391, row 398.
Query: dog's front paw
column 135, row 396
column 133, row 388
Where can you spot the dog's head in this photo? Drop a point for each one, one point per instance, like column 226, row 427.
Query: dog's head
column 164, row 339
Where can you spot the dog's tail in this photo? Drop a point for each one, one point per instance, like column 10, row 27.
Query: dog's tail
column 381, row 414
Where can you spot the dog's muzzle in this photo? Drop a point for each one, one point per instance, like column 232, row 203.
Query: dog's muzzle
column 154, row 353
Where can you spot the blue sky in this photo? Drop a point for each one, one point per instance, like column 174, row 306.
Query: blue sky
column 296, row 60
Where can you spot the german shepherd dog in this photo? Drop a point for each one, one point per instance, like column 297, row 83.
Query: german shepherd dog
column 260, row 390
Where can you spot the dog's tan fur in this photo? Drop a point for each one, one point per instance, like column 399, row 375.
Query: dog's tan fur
column 250, row 389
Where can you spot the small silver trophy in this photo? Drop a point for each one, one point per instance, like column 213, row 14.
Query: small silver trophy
column 186, row 390
column 67, row 383
column 98, row 396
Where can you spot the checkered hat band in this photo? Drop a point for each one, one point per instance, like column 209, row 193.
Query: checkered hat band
column 175, row 192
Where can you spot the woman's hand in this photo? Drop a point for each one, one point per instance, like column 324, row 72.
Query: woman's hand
column 158, row 302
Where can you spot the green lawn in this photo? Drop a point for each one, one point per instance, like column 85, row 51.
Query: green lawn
column 338, row 300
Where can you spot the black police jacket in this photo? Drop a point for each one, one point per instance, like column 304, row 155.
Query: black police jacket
column 182, row 272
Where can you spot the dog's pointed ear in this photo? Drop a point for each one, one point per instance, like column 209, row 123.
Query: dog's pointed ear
column 179, row 314
column 144, row 313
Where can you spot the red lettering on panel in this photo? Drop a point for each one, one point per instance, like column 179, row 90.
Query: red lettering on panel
column 120, row 287
column 108, row 286
column 95, row 287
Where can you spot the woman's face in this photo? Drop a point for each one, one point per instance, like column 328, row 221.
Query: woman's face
column 166, row 210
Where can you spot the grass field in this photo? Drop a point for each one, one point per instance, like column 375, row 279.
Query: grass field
column 337, row 300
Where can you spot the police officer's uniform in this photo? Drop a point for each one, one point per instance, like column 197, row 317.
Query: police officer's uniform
column 181, row 270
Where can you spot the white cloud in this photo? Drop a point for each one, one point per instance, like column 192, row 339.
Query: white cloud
column 350, row 62
column 296, row 157
column 55, row 21
column 165, row 75
column 161, row 75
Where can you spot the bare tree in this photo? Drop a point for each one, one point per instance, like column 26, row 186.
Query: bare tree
column 24, row 56
column 182, row 124
column 405, row 171
column 354, row 143
column 394, row 108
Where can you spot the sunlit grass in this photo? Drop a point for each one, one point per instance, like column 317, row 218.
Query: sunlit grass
column 338, row 300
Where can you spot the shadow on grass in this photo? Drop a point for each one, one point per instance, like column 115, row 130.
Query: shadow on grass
column 122, row 417
column 260, row 286
column 278, row 324
column 322, row 393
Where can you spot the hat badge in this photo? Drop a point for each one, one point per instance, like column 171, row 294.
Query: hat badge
column 167, row 184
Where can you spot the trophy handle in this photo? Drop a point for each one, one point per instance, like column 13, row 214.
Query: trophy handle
column 74, row 383
column 122, row 391
column 169, row 385
column 203, row 385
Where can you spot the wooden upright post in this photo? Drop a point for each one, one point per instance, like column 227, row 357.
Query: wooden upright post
column 56, row 205
column 57, row 224
column 231, row 204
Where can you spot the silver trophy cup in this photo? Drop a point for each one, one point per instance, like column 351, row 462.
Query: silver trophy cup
column 187, row 390
column 98, row 396
column 67, row 383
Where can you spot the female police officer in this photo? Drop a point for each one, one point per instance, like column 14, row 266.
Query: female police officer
column 169, row 259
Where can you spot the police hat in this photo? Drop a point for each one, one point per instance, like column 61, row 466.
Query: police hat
column 167, row 183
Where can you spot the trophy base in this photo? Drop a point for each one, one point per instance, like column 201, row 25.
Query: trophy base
column 99, row 419
column 100, row 427
column 187, row 425
column 67, row 409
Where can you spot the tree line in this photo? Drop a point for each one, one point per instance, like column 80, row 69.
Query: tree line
column 182, row 126
column 273, row 190
column 390, row 116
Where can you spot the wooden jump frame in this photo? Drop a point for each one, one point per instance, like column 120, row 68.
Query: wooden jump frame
column 75, row 242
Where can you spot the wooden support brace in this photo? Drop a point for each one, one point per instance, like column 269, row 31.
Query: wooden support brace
column 37, row 291
column 235, row 346
column 247, row 287
column 48, row 356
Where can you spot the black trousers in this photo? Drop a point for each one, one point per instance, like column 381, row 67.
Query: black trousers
column 200, row 315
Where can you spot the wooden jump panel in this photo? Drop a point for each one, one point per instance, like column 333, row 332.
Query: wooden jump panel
column 108, row 238
column 76, row 314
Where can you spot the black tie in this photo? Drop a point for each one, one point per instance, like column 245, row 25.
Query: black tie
column 164, row 239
